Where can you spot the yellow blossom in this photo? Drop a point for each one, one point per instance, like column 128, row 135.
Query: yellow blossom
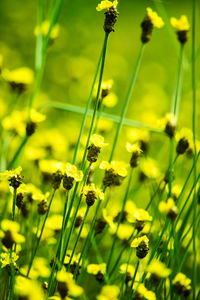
column 166, row 207
column 72, row 288
column 95, row 269
column 119, row 167
column 91, row 188
column 110, row 100
column 10, row 173
column 72, row 171
column 97, row 140
column 51, row 166
column 155, row 19
column 22, row 75
column 7, row 259
column 157, row 268
column 181, row 24
column 106, row 4
column 109, row 292
column 133, row 148
column 28, row 289
column 142, row 292
column 136, row 242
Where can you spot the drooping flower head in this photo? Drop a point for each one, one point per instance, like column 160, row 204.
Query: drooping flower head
column 150, row 21
column 67, row 286
column 10, row 233
column 169, row 208
column 182, row 284
column 182, row 27
column 158, row 270
column 109, row 292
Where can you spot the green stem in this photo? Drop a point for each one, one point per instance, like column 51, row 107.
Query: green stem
column 40, row 236
column 86, row 110
column 134, row 276
column 126, row 103
column 78, row 237
column 14, row 203
column 18, row 152
column 97, row 97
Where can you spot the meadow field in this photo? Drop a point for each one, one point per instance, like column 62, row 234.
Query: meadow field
column 99, row 149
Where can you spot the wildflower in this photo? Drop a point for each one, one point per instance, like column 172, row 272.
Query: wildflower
column 10, row 233
column 142, row 292
column 110, row 100
column 140, row 136
column 67, row 285
column 96, row 143
column 115, row 172
column 7, row 259
column 149, row 169
column 129, row 270
column 44, row 29
column 182, row 26
column 91, row 193
column 100, row 225
column 35, row 118
column 158, row 271
column 13, row 176
column 111, row 14
column 141, row 216
column 169, row 208
column 150, row 21
column 182, row 284
column 136, row 152
column 97, row 270
column 28, row 289
column 42, row 207
column 71, row 173
column 74, row 261
column 40, row 268
column 18, row 79
column 170, row 124
column 109, row 292
column 142, row 246
column 184, row 138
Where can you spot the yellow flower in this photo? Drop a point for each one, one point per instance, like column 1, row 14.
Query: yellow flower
column 168, row 208
column 91, row 188
column 72, row 171
column 181, row 24
column 149, row 168
column 110, row 100
column 130, row 269
column 109, row 292
column 118, row 167
column 22, row 75
column 137, row 241
column 72, row 289
column 44, row 29
column 95, row 269
column 51, row 166
column 157, row 268
column 155, row 19
column 106, row 5
column 182, row 279
column 37, row 117
column 142, row 292
column 97, row 140
column 142, row 215
column 133, row 148
column 10, row 233
column 39, row 269
column 6, row 259
column 136, row 135
column 28, row 289
column 75, row 258
column 11, row 173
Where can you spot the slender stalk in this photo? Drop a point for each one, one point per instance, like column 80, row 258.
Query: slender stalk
column 41, row 232
column 134, row 276
column 97, row 97
column 18, row 152
column 86, row 110
column 78, row 237
column 14, row 203
column 127, row 100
